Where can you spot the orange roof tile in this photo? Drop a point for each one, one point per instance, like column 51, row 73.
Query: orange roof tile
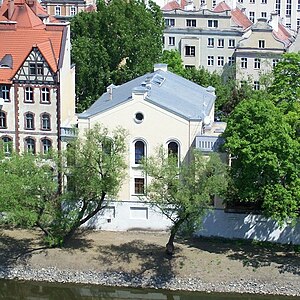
column 24, row 31
column 239, row 18
column 222, row 6
column 175, row 5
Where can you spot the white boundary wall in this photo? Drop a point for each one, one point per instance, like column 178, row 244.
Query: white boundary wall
column 137, row 215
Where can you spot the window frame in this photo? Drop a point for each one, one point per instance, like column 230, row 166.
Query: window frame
column 7, row 142
column 26, row 144
column 212, row 23
column 231, row 43
column 45, row 117
column 3, row 119
column 45, row 94
column 29, row 94
column 46, row 148
column 257, row 63
column 29, row 122
column 191, row 51
column 139, row 152
column 210, row 60
column 171, row 41
column 5, row 92
column 221, row 61
column 221, row 43
column 139, row 186
column 261, row 44
column 210, row 42
column 191, row 23
column 244, row 62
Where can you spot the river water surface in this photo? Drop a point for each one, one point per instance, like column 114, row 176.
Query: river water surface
column 25, row 290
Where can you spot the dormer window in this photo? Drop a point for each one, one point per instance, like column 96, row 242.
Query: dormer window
column 6, row 61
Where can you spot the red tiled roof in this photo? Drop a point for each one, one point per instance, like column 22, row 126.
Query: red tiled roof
column 175, row 5
column 240, row 19
column 222, row 6
column 282, row 34
column 25, row 32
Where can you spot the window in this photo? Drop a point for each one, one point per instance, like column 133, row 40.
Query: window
column 3, row 123
column 4, row 92
column 29, row 121
column 28, row 94
column 72, row 10
column 45, row 122
column 288, row 25
column 189, row 50
column 240, row 1
column 46, row 145
column 256, row 85
column 36, row 69
column 231, row 61
column 231, row 43
column 189, row 66
column 212, row 23
column 263, row 14
column 45, row 95
column 191, row 23
column 261, row 44
column 288, row 10
column 57, row 10
column 298, row 4
column 139, row 148
column 256, row 63
column 173, row 150
column 252, row 1
column 221, row 43
column 210, row 42
column 30, row 145
column 298, row 23
column 171, row 40
column 139, row 186
column 277, row 6
column 275, row 62
column 252, row 16
column 220, row 61
column 214, row 3
column 7, row 144
column 170, row 22
column 244, row 63
column 210, row 60
column 264, row 1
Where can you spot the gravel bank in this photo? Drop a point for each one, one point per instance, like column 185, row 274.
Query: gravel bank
column 122, row 279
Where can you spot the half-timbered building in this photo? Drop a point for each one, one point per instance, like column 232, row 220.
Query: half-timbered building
column 37, row 81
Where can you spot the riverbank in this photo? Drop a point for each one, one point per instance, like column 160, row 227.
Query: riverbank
column 137, row 259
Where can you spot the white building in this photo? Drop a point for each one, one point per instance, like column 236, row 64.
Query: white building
column 158, row 108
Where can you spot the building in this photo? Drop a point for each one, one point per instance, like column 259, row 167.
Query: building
column 225, row 40
column 260, row 50
column 287, row 10
column 203, row 37
column 63, row 10
column 158, row 108
column 37, row 81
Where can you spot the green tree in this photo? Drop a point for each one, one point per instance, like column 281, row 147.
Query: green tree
column 183, row 192
column 286, row 80
column 95, row 168
column 265, row 168
column 121, row 40
column 173, row 59
column 29, row 191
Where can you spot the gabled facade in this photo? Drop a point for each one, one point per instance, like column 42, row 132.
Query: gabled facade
column 37, row 81
column 159, row 108
column 63, row 10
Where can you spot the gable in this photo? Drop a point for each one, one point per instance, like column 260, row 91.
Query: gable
column 35, row 69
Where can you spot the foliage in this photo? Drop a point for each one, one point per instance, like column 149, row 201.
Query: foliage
column 117, row 43
column 286, row 83
column 183, row 192
column 28, row 190
column 94, row 166
column 265, row 169
column 173, row 59
column 95, row 170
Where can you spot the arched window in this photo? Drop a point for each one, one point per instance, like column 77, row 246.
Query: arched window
column 3, row 119
column 173, row 149
column 30, row 145
column 29, row 121
column 7, row 145
column 139, row 151
column 46, row 145
column 45, row 122
column 45, row 95
column 28, row 94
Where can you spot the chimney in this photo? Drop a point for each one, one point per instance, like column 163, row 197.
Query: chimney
column 32, row 4
column 162, row 67
column 11, row 8
column 109, row 90
column 274, row 20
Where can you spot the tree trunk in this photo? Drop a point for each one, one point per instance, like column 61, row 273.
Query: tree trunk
column 170, row 249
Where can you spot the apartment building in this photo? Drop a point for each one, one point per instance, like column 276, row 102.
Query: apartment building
column 203, row 37
column 37, row 81
column 63, row 10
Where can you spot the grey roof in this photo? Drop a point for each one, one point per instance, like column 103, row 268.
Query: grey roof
column 164, row 89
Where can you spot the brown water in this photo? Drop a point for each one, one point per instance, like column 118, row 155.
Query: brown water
column 25, row 290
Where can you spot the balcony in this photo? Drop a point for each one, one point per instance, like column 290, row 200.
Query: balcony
column 67, row 133
column 209, row 143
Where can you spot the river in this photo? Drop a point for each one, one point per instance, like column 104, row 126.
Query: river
column 26, row 290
